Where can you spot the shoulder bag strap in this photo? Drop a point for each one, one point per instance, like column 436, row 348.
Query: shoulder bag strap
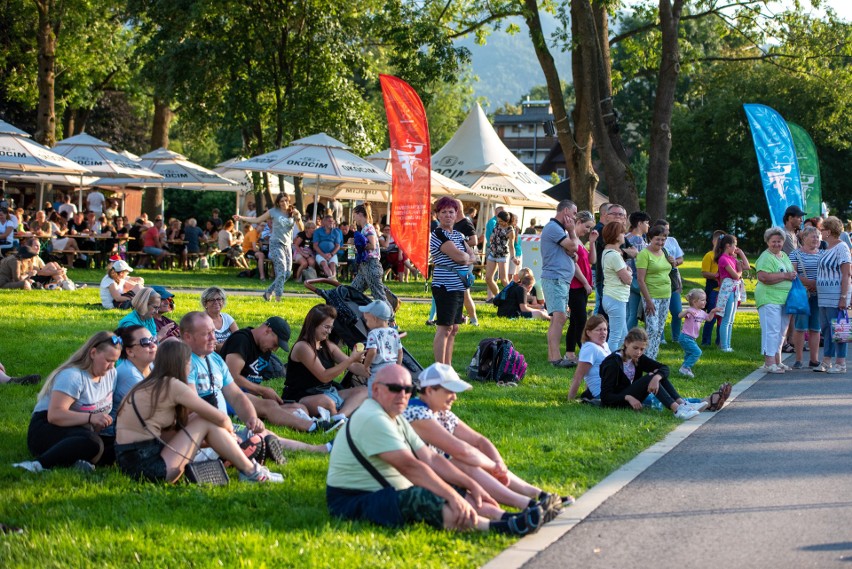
column 364, row 462
column 161, row 441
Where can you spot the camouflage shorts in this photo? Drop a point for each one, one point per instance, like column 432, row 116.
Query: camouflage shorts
column 418, row 504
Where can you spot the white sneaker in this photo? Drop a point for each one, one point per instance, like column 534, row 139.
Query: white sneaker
column 727, row 350
column 785, row 367
column 700, row 406
column 261, row 474
column 31, row 465
column 687, row 372
column 685, row 412
column 774, row 368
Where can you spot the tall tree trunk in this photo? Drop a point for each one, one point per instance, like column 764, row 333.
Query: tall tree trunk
column 152, row 203
column 69, row 122
column 46, row 39
column 661, row 132
column 591, row 27
column 576, row 145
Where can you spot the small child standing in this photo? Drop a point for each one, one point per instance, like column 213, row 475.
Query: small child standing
column 693, row 316
column 383, row 344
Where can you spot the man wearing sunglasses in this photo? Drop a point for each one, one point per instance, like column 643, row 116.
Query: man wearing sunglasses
column 391, row 477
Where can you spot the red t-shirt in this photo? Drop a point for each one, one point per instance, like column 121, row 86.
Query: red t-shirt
column 151, row 238
column 584, row 266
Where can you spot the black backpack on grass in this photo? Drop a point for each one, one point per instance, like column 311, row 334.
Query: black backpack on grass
column 496, row 359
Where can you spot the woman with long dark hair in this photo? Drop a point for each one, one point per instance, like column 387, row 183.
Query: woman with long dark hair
column 369, row 263
column 156, row 437
column 315, row 362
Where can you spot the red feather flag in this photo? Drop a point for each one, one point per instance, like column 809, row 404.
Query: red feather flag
column 411, row 163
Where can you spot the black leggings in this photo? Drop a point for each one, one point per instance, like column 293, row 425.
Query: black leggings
column 577, row 299
column 667, row 394
column 63, row 446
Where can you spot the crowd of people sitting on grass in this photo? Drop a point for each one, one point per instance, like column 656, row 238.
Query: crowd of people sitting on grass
column 155, row 395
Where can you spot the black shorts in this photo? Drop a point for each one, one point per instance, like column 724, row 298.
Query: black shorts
column 142, row 460
column 387, row 507
column 448, row 306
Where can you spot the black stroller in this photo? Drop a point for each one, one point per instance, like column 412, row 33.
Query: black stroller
column 349, row 326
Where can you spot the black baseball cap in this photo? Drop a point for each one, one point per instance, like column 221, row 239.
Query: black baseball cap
column 281, row 329
column 793, row 211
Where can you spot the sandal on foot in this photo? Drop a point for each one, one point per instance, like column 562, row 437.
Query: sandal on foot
column 715, row 401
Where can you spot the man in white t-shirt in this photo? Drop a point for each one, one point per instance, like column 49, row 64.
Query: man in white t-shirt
column 68, row 208
column 95, row 202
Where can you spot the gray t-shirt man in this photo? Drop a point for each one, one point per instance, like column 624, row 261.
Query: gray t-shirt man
column 556, row 262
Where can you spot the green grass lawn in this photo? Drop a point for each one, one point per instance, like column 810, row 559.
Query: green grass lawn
column 105, row 519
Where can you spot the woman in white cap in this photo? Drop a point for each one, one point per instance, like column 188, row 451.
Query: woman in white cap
column 431, row 416
column 117, row 288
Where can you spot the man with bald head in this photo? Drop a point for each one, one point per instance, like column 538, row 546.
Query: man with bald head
column 391, row 477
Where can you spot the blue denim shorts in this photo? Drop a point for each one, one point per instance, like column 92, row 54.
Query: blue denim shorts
column 810, row 322
column 555, row 294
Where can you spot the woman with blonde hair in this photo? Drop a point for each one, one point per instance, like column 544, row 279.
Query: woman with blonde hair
column 74, row 407
column 146, row 305
column 833, row 293
column 157, row 436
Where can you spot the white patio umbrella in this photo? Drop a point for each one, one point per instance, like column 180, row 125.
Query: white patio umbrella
column 20, row 156
column 245, row 182
column 495, row 184
column 177, row 172
column 321, row 156
column 104, row 162
column 440, row 185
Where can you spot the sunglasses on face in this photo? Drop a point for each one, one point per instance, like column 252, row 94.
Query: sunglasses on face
column 396, row 388
column 144, row 342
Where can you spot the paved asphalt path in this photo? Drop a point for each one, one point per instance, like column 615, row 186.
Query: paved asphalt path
column 766, row 483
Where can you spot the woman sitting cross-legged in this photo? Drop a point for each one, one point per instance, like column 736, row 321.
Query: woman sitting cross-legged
column 74, row 408
column 628, row 376
column 315, row 362
column 432, row 418
column 155, row 434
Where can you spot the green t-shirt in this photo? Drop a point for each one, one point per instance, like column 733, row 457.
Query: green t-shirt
column 657, row 276
column 775, row 293
column 374, row 432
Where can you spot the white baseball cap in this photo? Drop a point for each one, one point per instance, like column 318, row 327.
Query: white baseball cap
column 121, row 266
column 443, row 375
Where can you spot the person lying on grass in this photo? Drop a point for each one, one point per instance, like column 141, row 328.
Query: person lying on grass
column 392, row 478
column 431, row 417
column 73, row 409
column 156, row 436
column 20, row 380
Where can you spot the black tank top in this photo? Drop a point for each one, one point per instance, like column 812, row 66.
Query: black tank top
column 300, row 379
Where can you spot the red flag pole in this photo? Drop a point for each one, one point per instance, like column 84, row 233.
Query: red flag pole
column 411, row 166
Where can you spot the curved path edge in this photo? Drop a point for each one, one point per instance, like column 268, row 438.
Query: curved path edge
column 525, row 549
